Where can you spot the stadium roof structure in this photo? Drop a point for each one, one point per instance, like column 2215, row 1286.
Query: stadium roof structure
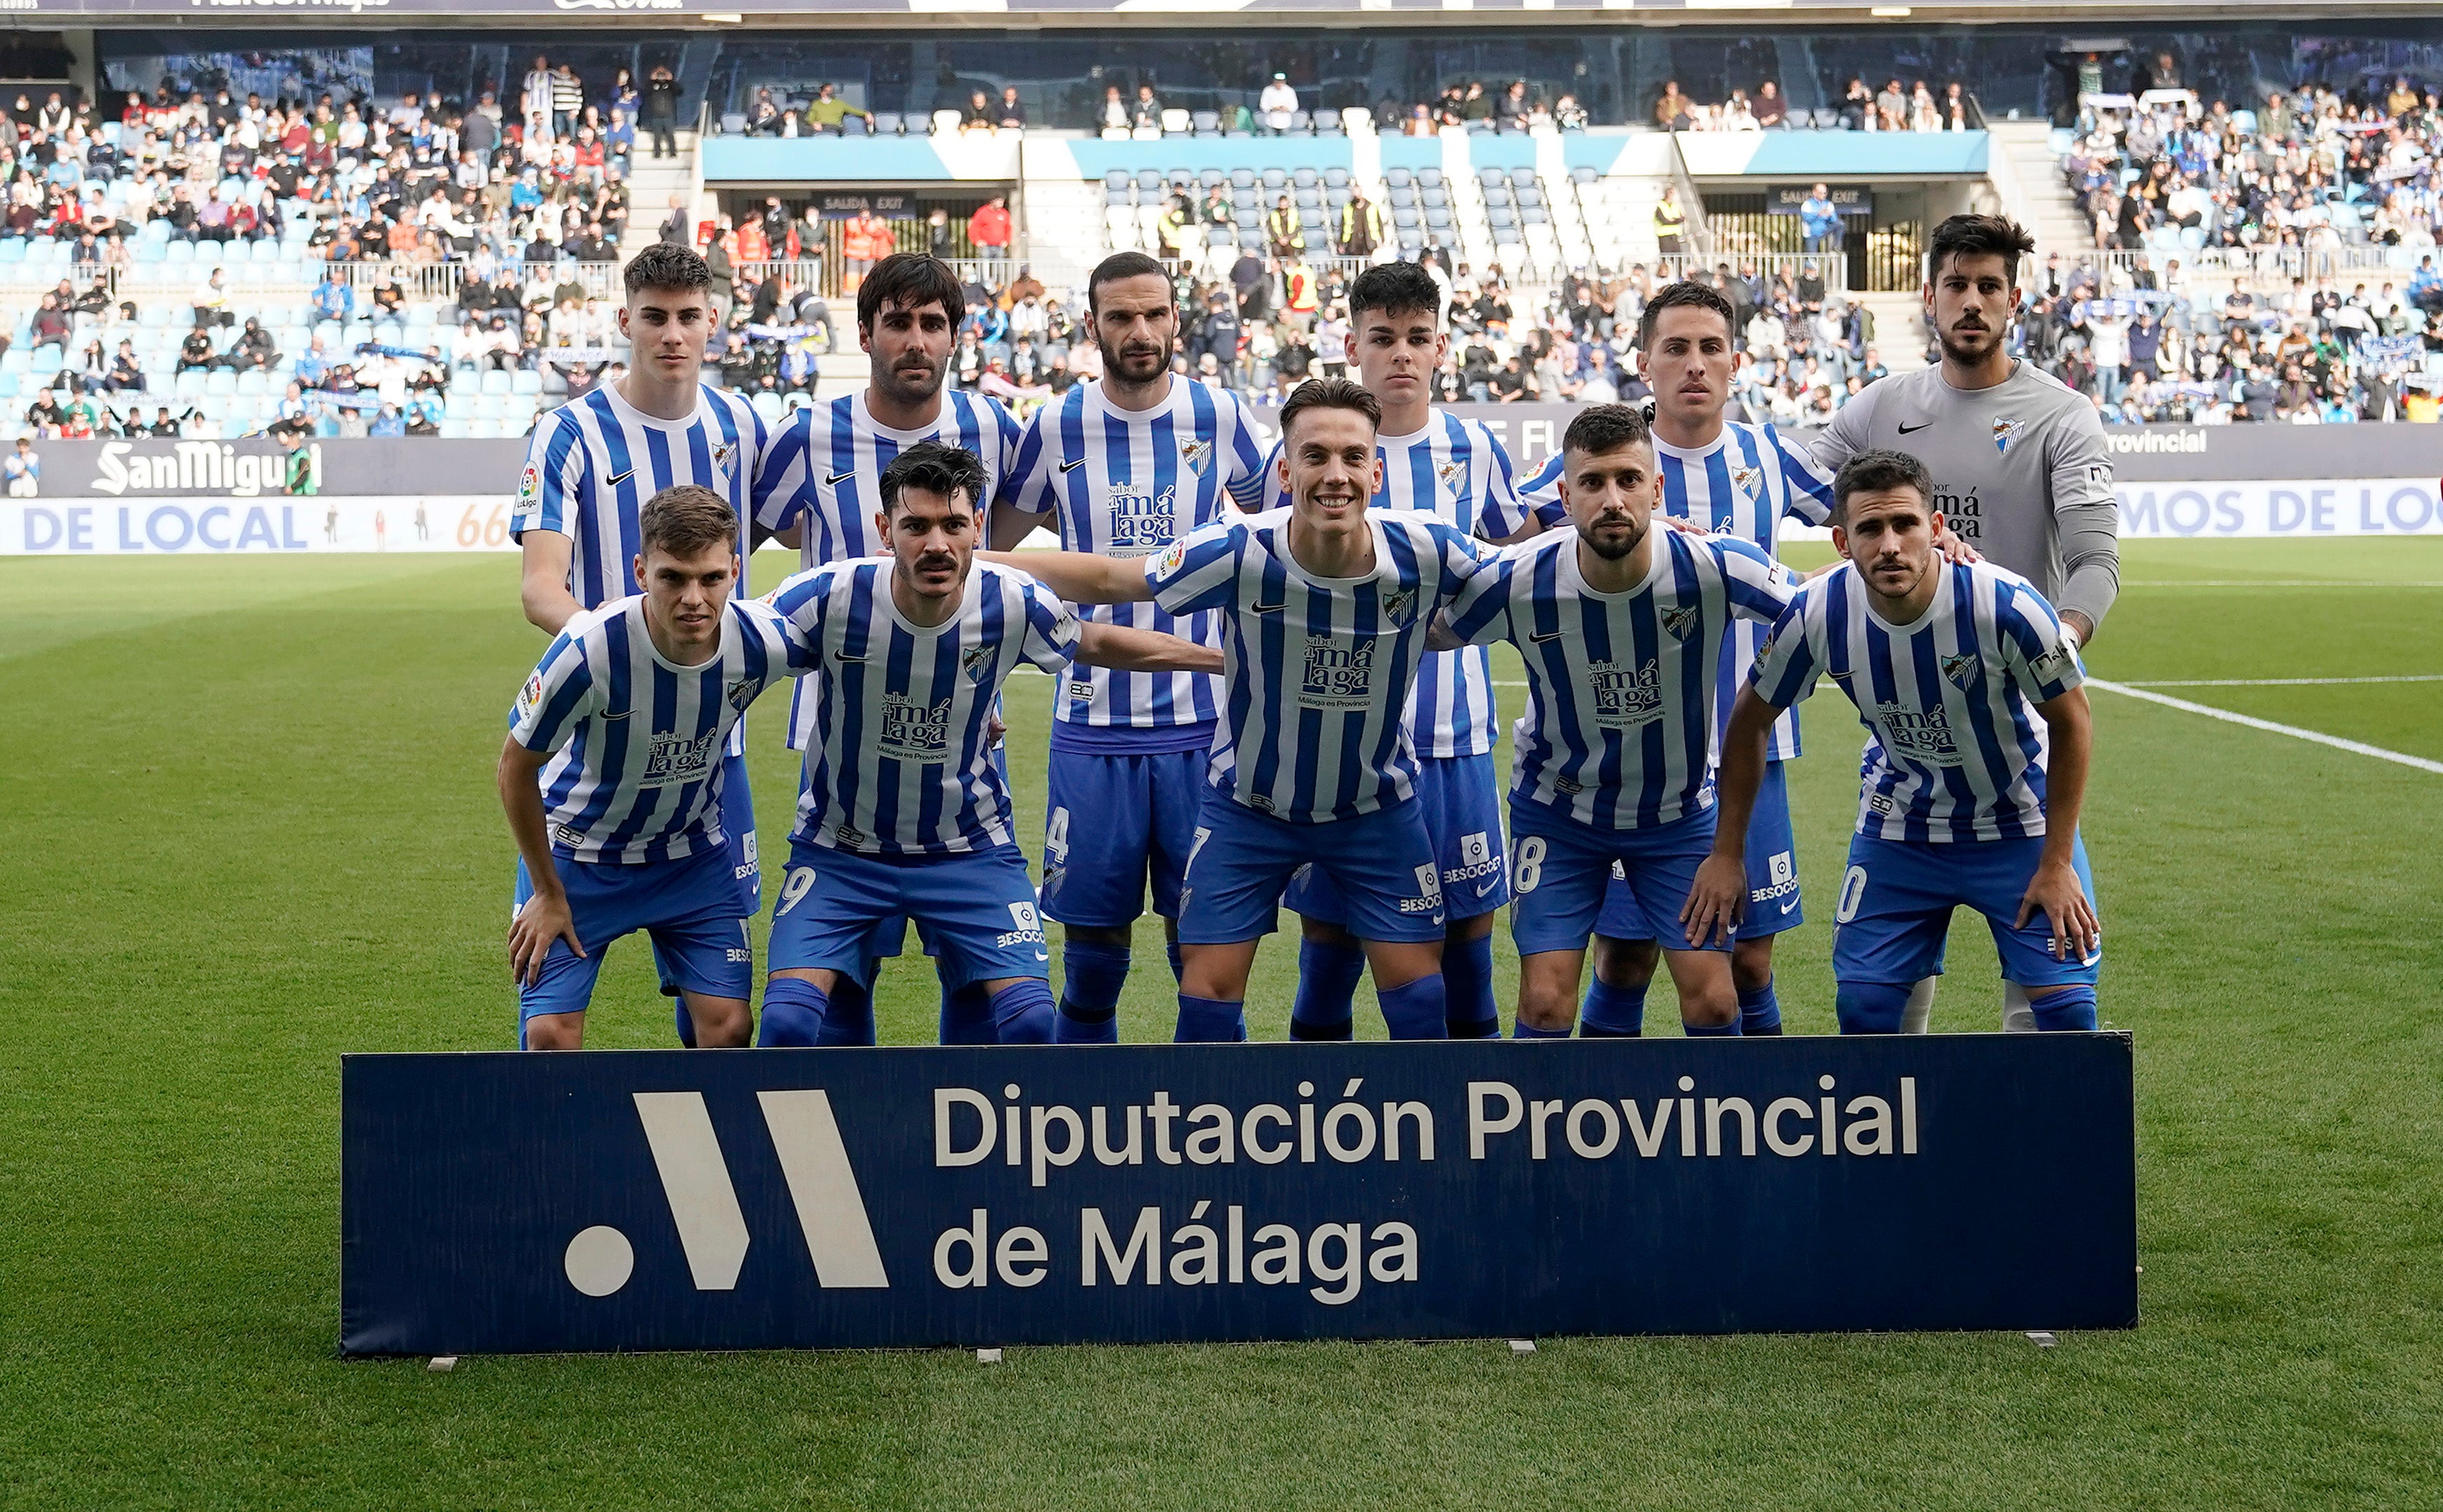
column 993, row 13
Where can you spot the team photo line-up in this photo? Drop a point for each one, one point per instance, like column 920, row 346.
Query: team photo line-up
column 1272, row 682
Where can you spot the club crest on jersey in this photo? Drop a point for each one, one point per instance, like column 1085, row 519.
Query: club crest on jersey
column 1453, row 475
column 1744, row 480
column 1680, row 619
column 975, row 660
column 1197, row 455
column 1961, row 669
column 741, row 692
column 1399, row 605
column 2005, row 432
column 722, row 451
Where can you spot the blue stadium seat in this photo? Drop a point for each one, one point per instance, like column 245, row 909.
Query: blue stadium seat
column 496, row 383
column 1211, row 178
column 1305, row 178
column 1429, row 178
column 1242, row 179
column 852, row 126
column 1335, row 178
column 888, row 124
column 1207, row 123
column 1300, row 122
column 1149, row 178
column 525, row 382
column 733, row 124
column 1117, row 180
column 1327, row 123
column 1275, row 181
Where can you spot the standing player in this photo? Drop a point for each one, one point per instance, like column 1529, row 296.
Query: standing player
column 1622, row 630
column 1324, row 610
column 1122, row 468
column 816, row 487
column 594, row 461
column 1436, row 464
column 904, row 810
column 1740, row 479
column 2018, row 460
column 614, row 774
column 1973, row 784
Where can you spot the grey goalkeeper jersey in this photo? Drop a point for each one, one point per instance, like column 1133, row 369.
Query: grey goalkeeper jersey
column 2020, row 472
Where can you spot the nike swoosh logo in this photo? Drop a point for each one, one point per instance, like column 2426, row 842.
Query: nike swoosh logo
column 1269, row 608
column 838, row 478
column 1787, row 906
column 1040, row 956
column 1544, row 637
column 619, row 478
column 1488, row 886
column 621, row 715
column 1071, row 466
column 1920, row 426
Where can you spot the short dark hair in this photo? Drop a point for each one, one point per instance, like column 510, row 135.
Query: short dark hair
column 1117, row 267
column 935, row 468
column 685, row 519
column 1979, row 236
column 911, row 280
column 1601, row 427
column 1328, row 394
column 667, row 265
column 1873, row 472
column 1394, row 288
column 1680, row 295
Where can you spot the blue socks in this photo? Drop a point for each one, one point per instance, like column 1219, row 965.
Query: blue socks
column 1711, row 1032
column 1092, row 976
column 2072, row 1008
column 967, row 1016
column 1521, row 1029
column 1875, row 1008
column 1210, row 1021
column 1612, row 1013
column 1021, row 1012
column 794, row 1014
column 1327, row 991
column 1467, row 990
column 1415, row 1011
column 1761, row 1011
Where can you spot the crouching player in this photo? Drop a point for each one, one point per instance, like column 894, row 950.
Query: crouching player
column 613, row 779
column 1621, row 626
column 1325, row 608
column 903, row 808
column 1973, row 779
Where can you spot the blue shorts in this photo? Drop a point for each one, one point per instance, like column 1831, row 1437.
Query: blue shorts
column 975, row 911
column 1382, row 862
column 1564, row 873
column 688, row 906
column 1116, row 820
column 1772, row 873
column 1894, row 912
column 1461, row 798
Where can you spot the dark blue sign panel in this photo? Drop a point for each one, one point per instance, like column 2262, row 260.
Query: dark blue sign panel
column 795, row 1199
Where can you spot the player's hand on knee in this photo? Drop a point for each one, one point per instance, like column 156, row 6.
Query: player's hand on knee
column 2055, row 891
column 540, row 922
column 1713, row 900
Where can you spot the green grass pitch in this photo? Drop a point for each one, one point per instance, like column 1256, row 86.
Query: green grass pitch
column 247, row 822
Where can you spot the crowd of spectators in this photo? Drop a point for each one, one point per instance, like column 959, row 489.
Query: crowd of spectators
column 2309, row 171
column 1861, row 107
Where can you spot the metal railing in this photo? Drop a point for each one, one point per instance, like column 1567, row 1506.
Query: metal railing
column 2275, row 262
column 1830, row 267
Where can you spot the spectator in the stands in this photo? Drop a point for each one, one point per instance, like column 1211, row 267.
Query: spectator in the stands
column 1278, row 102
column 1147, row 113
column 829, row 109
column 990, row 230
column 1671, row 108
column 979, row 115
column 1771, row 109
column 865, row 241
column 1114, row 113
column 1013, row 115
column 662, row 110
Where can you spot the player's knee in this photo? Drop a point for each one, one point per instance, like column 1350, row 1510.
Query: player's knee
column 1021, row 1010
column 1547, row 1007
column 1871, row 1008
column 721, row 1023
column 2070, row 1007
column 794, row 1008
column 1627, row 963
column 555, row 1032
column 1751, row 964
column 1323, row 932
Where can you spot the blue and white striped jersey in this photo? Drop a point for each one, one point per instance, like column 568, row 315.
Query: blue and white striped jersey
column 900, row 763
column 636, row 773
column 1457, row 471
column 1316, row 671
column 1743, row 484
column 1619, row 728
column 1957, row 750
column 1126, row 483
column 594, row 462
column 824, row 467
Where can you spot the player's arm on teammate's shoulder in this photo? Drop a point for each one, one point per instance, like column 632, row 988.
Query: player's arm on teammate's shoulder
column 2086, row 522
column 1721, row 889
column 545, row 916
column 1009, row 525
column 1080, row 577
column 2054, row 890
column 543, row 580
column 1124, row 650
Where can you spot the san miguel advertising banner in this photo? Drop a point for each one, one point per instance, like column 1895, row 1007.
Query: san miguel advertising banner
column 504, row 1203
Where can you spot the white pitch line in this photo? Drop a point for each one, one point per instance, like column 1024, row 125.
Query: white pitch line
column 2273, row 582
column 2277, row 681
column 2356, row 747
